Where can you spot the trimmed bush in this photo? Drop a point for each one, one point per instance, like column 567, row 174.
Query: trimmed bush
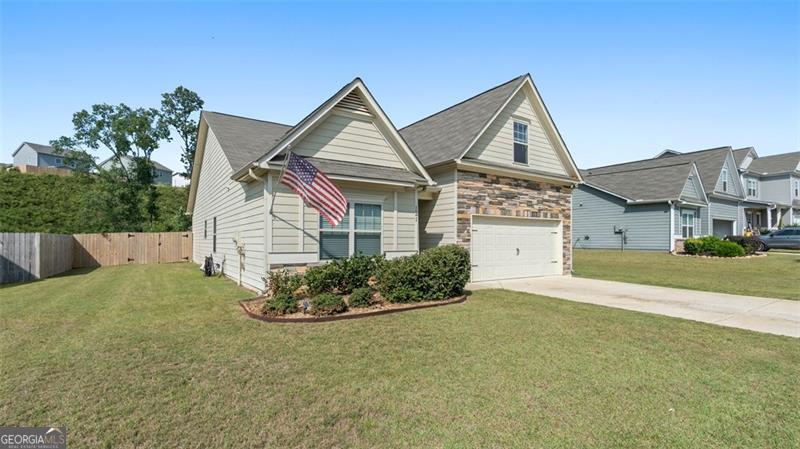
column 750, row 244
column 343, row 275
column 283, row 282
column 327, row 304
column 280, row 304
column 701, row 245
column 712, row 246
column 436, row 273
column 361, row 297
column 728, row 249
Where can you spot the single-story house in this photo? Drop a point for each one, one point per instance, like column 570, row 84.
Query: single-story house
column 161, row 173
column 501, row 185
column 653, row 203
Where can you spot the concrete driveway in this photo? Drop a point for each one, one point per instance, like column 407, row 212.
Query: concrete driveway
column 772, row 316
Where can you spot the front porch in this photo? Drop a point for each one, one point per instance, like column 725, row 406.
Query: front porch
column 769, row 216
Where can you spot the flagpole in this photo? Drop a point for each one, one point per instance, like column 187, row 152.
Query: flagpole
column 283, row 170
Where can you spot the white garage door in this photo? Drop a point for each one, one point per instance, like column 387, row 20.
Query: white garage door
column 505, row 248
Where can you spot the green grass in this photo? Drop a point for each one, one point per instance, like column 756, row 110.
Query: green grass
column 158, row 356
column 774, row 276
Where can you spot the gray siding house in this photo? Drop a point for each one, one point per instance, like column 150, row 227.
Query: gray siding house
column 161, row 173
column 652, row 203
column 772, row 188
column 38, row 155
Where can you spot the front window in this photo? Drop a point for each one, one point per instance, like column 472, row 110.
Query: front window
column 520, row 143
column 752, row 188
column 687, row 224
column 334, row 241
column 362, row 236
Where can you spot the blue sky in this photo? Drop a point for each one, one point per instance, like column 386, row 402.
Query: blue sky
column 622, row 80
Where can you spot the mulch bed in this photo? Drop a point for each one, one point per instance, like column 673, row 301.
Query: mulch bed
column 718, row 257
column 252, row 307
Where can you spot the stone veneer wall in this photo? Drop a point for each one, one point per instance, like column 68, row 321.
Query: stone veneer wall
column 481, row 193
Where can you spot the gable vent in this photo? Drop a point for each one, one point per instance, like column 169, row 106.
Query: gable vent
column 353, row 102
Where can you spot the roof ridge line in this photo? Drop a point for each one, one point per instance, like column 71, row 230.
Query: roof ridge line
column 588, row 170
column 462, row 102
column 655, row 158
column 247, row 118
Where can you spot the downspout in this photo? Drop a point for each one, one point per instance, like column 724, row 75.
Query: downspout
column 671, row 226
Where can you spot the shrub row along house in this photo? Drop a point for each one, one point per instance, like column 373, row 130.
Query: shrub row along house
column 654, row 204
column 491, row 174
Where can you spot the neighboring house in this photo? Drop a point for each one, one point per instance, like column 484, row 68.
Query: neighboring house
column 519, row 211
column 652, row 203
column 37, row 155
column 773, row 183
column 161, row 173
column 505, row 180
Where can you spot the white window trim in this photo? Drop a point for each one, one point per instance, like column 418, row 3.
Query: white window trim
column 514, row 141
column 351, row 229
column 724, row 179
column 754, row 184
column 693, row 226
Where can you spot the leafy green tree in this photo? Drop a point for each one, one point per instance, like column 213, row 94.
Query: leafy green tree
column 127, row 133
column 177, row 110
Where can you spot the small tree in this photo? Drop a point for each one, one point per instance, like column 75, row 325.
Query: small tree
column 177, row 110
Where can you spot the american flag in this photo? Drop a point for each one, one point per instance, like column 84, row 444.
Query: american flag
column 315, row 188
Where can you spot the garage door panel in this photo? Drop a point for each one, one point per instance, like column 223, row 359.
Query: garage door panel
column 504, row 248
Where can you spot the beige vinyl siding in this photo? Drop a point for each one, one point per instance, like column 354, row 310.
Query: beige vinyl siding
column 239, row 209
column 437, row 216
column 286, row 217
column 497, row 142
column 348, row 138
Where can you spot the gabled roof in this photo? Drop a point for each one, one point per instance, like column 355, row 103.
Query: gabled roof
column 39, row 148
column 336, row 169
column 445, row 135
column 775, row 164
column 243, row 139
column 740, row 153
column 709, row 164
column 156, row 164
column 642, row 183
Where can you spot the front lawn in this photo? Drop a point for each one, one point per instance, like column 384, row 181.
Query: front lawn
column 773, row 276
column 158, row 356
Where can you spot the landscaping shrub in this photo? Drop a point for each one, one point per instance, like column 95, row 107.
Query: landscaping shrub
column 701, row 245
column 283, row 282
column 750, row 244
column 728, row 249
column 712, row 246
column 280, row 304
column 327, row 304
column 436, row 273
column 343, row 275
column 361, row 297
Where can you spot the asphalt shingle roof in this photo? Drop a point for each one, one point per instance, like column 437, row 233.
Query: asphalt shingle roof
column 42, row 149
column 242, row 139
column 444, row 135
column 356, row 170
column 709, row 164
column 643, row 183
column 739, row 154
column 778, row 163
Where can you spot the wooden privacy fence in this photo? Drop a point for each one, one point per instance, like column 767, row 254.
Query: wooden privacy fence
column 25, row 256
column 122, row 248
column 29, row 256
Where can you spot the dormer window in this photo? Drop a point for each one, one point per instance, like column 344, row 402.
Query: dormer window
column 520, row 143
column 724, row 179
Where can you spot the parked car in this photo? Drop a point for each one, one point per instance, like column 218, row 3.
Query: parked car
column 786, row 238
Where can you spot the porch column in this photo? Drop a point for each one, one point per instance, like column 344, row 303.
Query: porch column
column 769, row 218
column 778, row 216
